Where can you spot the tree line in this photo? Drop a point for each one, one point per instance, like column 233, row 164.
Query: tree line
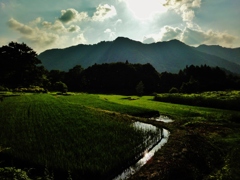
column 20, row 68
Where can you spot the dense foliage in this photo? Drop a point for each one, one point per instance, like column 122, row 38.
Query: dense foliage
column 221, row 99
column 198, row 79
column 19, row 68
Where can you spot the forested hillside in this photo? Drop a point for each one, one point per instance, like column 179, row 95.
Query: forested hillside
column 168, row 56
column 230, row 54
column 21, row 70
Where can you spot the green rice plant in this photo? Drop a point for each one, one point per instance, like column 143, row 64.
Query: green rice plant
column 176, row 111
column 68, row 133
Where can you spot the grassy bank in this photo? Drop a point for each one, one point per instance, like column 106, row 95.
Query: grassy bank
column 204, row 142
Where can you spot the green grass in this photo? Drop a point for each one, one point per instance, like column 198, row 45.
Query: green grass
column 177, row 111
column 93, row 100
column 70, row 133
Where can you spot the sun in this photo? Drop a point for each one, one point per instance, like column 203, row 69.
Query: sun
column 143, row 9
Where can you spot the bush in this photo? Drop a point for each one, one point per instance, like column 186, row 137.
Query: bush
column 173, row 90
column 9, row 173
column 2, row 88
column 30, row 89
column 60, row 86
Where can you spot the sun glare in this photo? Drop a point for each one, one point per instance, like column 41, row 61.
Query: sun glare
column 143, row 9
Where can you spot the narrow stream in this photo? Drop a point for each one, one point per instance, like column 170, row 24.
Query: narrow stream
column 148, row 154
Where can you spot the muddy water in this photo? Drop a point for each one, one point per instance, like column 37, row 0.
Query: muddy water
column 149, row 153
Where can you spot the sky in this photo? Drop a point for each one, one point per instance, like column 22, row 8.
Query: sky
column 44, row 24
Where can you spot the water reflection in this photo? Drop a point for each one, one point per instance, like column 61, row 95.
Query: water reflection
column 162, row 118
column 148, row 154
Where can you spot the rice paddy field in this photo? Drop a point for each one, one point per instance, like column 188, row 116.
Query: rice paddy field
column 79, row 133
column 89, row 136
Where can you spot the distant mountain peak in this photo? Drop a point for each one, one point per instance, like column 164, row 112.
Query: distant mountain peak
column 121, row 38
column 168, row 56
column 125, row 39
column 176, row 41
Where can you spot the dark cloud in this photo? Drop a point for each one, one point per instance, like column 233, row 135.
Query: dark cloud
column 71, row 14
column 68, row 15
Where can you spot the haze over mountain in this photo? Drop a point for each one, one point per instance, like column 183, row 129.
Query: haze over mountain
column 170, row 56
column 230, row 54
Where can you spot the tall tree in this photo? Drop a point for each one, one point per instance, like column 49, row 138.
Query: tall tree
column 73, row 78
column 140, row 88
column 18, row 65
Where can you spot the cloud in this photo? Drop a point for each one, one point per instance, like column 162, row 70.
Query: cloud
column 104, row 12
column 36, row 21
column 57, row 26
column 188, row 15
column 119, row 21
column 186, row 8
column 111, row 34
column 23, row 29
column 2, row 5
column 71, row 15
column 196, row 3
column 41, row 35
column 210, row 37
column 148, row 40
column 167, row 33
column 192, row 36
column 74, row 28
column 79, row 39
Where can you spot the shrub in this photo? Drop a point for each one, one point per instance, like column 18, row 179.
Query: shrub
column 140, row 88
column 2, row 88
column 60, row 86
column 173, row 90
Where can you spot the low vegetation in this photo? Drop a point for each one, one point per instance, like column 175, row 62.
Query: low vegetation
column 214, row 99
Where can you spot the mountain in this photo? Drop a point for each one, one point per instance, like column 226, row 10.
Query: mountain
column 168, row 56
column 230, row 54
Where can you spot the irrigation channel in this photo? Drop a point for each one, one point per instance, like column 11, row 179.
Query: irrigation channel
column 157, row 143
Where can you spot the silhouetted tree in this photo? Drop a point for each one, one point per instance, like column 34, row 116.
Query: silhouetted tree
column 60, row 86
column 73, row 78
column 173, row 90
column 56, row 76
column 140, row 88
column 19, row 66
column 120, row 78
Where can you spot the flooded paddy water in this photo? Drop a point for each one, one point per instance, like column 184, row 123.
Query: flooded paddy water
column 156, row 145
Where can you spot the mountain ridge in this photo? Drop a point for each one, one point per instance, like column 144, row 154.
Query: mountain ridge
column 230, row 54
column 168, row 56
